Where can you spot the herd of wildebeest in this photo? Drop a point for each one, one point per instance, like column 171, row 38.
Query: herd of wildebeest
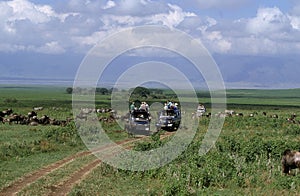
column 290, row 159
column 32, row 119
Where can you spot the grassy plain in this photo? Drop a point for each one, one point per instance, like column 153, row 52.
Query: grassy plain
column 244, row 161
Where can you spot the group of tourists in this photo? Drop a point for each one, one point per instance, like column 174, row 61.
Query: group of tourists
column 144, row 106
column 170, row 105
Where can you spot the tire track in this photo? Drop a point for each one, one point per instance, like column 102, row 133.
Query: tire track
column 26, row 180
column 18, row 185
column 65, row 187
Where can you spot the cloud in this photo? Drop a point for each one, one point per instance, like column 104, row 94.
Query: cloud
column 50, row 48
column 268, row 20
column 216, row 42
column 23, row 9
column 109, row 4
column 294, row 21
column 175, row 16
column 81, row 24
column 269, row 32
column 172, row 18
column 26, row 25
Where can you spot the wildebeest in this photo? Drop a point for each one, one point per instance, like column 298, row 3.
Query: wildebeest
column 239, row 114
column 290, row 160
column 15, row 118
column 31, row 114
column 6, row 112
column 44, row 120
column 230, row 112
column 1, row 119
column 251, row 115
column 274, row 116
column 37, row 108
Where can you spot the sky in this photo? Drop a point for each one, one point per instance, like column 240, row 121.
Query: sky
column 255, row 43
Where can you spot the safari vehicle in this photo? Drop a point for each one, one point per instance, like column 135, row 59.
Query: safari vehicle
column 138, row 123
column 169, row 120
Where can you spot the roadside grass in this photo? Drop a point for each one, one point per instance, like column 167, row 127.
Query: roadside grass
column 105, row 180
column 244, row 161
column 13, row 169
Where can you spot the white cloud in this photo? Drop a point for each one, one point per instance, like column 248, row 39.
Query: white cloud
column 268, row 20
column 82, row 24
column 111, row 21
column 90, row 40
column 269, row 32
column 294, row 21
column 175, row 16
column 23, row 9
column 51, row 48
column 109, row 4
column 216, row 42
column 27, row 26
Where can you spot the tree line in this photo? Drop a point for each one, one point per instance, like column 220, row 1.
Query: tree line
column 139, row 91
column 102, row 91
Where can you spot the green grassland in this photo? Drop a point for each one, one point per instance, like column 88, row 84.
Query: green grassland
column 244, row 161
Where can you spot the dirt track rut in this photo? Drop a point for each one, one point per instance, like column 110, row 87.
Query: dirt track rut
column 65, row 187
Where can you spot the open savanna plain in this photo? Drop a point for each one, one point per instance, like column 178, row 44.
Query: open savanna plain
column 246, row 158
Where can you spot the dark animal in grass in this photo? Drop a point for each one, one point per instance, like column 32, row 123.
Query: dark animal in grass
column 6, row 112
column 290, row 160
column 293, row 115
column 15, row 118
column 1, row 119
column 44, row 120
column 55, row 122
column 240, row 114
column 31, row 114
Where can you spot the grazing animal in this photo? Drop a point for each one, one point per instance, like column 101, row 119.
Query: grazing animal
column 33, row 123
column 290, row 160
column 239, row 114
column 229, row 112
column 1, row 119
column 37, row 108
column 31, row 114
column 44, row 120
column 14, row 118
column 6, row 112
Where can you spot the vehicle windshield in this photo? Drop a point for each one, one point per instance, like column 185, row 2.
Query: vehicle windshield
column 141, row 122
